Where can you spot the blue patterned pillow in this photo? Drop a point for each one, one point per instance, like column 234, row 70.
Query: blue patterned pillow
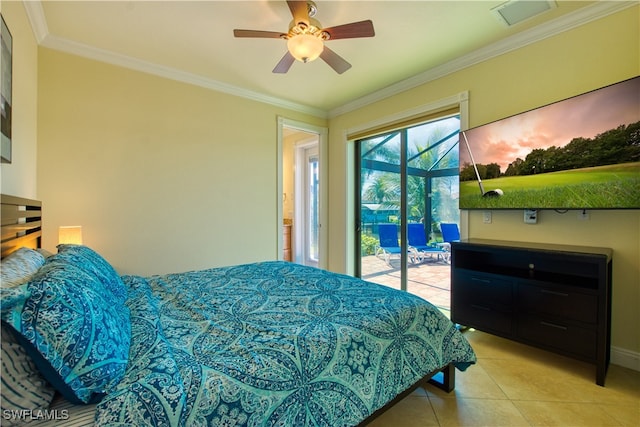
column 89, row 260
column 73, row 328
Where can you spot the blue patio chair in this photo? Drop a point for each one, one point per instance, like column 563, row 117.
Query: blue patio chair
column 450, row 233
column 418, row 241
column 388, row 241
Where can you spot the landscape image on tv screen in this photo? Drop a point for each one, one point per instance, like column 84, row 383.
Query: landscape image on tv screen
column 578, row 153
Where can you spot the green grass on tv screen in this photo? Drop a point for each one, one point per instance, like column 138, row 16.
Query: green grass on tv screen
column 602, row 187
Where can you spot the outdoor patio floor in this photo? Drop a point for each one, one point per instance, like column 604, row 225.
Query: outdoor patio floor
column 429, row 279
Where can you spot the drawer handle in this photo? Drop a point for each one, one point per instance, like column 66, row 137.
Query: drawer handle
column 477, row 279
column 480, row 307
column 552, row 325
column 556, row 293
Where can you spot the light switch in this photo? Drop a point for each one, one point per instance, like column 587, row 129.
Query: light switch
column 530, row 216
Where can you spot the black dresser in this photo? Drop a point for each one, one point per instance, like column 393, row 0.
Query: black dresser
column 555, row 297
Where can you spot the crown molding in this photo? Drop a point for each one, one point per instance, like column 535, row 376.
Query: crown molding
column 598, row 10
column 559, row 25
column 36, row 17
column 39, row 27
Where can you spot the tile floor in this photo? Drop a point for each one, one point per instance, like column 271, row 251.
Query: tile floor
column 516, row 385
column 430, row 279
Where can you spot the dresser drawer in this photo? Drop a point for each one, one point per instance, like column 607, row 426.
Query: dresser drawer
column 567, row 338
column 485, row 289
column 561, row 303
column 483, row 317
column 483, row 302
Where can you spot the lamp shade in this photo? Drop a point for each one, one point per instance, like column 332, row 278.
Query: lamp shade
column 70, row 234
column 305, row 47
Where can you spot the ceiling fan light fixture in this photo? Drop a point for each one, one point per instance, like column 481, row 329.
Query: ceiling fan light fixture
column 305, row 47
column 306, row 37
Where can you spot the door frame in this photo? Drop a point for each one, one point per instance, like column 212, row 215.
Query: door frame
column 300, row 216
column 322, row 133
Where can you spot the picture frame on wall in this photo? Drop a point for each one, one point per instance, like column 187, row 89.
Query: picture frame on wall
column 6, row 67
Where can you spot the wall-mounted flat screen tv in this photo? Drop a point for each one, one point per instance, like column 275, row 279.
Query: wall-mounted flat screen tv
column 579, row 153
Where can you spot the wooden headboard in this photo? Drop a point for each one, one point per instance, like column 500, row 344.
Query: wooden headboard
column 21, row 223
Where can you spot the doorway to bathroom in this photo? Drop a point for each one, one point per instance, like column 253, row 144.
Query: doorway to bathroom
column 303, row 206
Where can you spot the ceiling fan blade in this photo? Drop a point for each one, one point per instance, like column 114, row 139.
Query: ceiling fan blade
column 334, row 60
column 350, row 31
column 299, row 10
column 258, row 34
column 284, row 64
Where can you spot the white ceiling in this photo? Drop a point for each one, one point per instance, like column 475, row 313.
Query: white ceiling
column 193, row 41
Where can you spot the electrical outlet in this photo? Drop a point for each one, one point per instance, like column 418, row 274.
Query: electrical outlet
column 486, row 217
column 530, row 216
column 583, row 215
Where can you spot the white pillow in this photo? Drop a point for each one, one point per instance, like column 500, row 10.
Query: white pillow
column 23, row 387
column 19, row 266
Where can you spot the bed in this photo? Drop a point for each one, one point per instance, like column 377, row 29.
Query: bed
column 260, row 344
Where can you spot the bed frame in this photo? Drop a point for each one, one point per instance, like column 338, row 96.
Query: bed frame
column 21, row 223
column 447, row 384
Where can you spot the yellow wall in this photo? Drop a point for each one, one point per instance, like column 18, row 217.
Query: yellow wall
column 163, row 176
column 579, row 60
column 19, row 177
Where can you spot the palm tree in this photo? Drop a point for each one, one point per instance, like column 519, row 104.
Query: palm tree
column 378, row 190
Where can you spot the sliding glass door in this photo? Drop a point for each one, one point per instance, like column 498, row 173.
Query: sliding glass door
column 406, row 186
column 380, row 196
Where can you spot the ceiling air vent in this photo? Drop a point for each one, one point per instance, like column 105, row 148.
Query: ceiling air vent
column 516, row 11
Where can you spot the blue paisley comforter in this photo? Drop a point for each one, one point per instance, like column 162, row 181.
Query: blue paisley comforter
column 273, row 343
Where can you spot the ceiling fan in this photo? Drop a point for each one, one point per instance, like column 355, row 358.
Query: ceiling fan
column 306, row 37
